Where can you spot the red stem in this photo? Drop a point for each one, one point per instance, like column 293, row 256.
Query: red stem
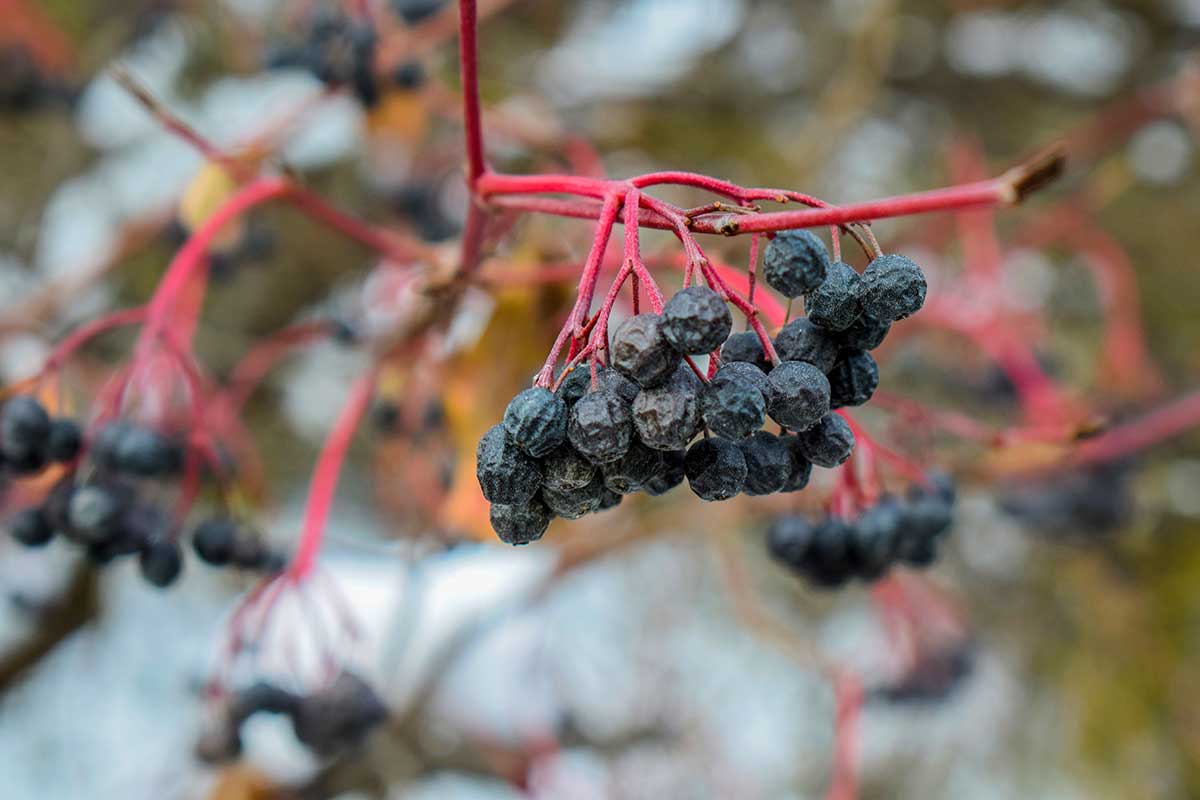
column 1157, row 426
column 468, row 59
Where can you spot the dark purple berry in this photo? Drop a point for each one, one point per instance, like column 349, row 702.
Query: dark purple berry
column 746, row 372
column 632, row 471
column 575, row 385
column 601, row 426
column 853, row 380
column 745, row 347
column 795, row 262
column 732, row 407
column 801, row 467
column 803, row 340
column 520, row 524
column 892, row 287
column 536, row 421
column 669, row 477
column 640, row 351
column 31, row 528
column 866, row 333
column 798, row 395
column 506, row 475
column 608, row 379
column 565, row 469
column 161, row 562
column 214, row 540
column 828, row 443
column 575, row 503
column 696, row 320
column 667, row 417
column 715, row 469
column 609, row 499
column 64, row 440
column 768, row 463
column 338, row 716
column 834, row 304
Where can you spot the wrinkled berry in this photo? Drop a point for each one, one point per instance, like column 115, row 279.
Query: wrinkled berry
column 828, row 443
column 768, row 463
column 696, row 320
column 506, row 475
column 520, row 524
column 745, row 372
column 536, row 421
column 795, row 262
column 575, row 503
column 668, row 416
column 161, row 562
column 31, row 528
column 601, row 426
column 715, row 469
column 803, row 340
column 853, row 380
column 745, row 347
column 214, row 540
column 640, row 351
column 834, row 304
column 566, row 469
column 892, row 287
column 608, row 379
column 798, row 395
column 732, row 407
column 632, row 471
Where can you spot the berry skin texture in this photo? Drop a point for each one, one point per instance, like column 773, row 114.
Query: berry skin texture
column 536, row 421
column 795, row 262
column 565, row 469
column 338, row 716
column 64, row 440
column 853, row 380
column 601, row 426
column 575, row 503
column 828, row 443
column 768, row 463
column 798, row 395
column 746, row 372
column 520, row 524
column 630, row 472
column 640, row 351
column 506, row 475
column 715, row 469
column 803, row 340
column 892, row 288
column 161, row 562
column 696, row 320
column 866, row 333
column 732, row 407
column 669, row 477
column 575, row 385
column 668, row 416
column 214, row 541
column 31, row 528
column 24, row 425
column 834, row 304
column 745, row 347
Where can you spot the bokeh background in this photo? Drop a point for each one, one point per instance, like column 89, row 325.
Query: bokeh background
column 618, row 658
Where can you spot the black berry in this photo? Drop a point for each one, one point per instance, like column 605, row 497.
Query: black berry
column 788, row 539
column 803, row 340
column 506, row 475
column 575, row 503
column 536, row 421
column 747, row 347
column 566, row 469
column 834, row 304
column 24, row 425
column 866, row 333
column 632, row 471
column 795, row 262
column 853, row 380
column 522, row 523
column 892, row 287
column 338, row 716
column 875, row 538
column 161, row 562
column 601, row 426
column 715, row 469
column 696, row 320
column 798, row 395
column 640, row 351
column 669, row 477
column 768, row 463
column 214, row 540
column 828, row 443
column 31, row 528
column 732, row 407
column 668, row 416
column 64, row 440
column 801, row 468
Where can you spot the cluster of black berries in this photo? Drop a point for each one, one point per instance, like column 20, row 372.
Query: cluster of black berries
column 222, row 541
column 328, row 721
column 340, row 51
column 835, row 549
column 105, row 501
